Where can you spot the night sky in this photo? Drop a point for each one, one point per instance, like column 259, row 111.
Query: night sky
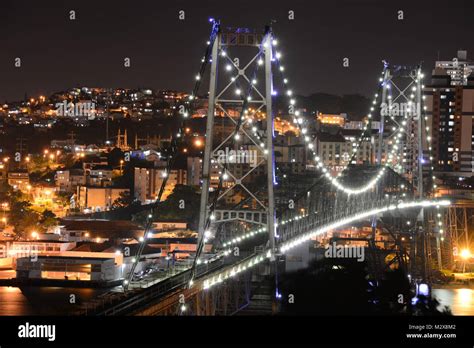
column 165, row 52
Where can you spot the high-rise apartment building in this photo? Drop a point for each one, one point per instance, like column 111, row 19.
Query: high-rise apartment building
column 449, row 101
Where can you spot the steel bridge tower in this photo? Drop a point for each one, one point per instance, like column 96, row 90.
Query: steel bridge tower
column 240, row 100
column 402, row 105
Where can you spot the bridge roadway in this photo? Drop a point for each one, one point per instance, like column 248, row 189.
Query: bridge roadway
column 219, row 269
column 164, row 294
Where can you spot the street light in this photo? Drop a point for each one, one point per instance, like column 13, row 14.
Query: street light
column 121, row 167
column 4, row 207
column 465, row 255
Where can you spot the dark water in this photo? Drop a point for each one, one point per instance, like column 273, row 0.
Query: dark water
column 43, row 300
column 55, row 300
column 460, row 301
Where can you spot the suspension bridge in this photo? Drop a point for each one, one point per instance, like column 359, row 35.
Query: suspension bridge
column 392, row 186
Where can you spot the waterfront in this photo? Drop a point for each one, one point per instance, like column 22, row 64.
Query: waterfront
column 460, row 301
column 55, row 300
column 36, row 300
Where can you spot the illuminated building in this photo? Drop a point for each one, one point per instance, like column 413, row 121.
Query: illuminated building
column 19, row 179
column 449, row 101
column 335, row 150
column 148, row 181
column 332, row 119
column 93, row 199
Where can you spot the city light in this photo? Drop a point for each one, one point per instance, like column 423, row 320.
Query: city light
column 465, row 254
column 154, row 195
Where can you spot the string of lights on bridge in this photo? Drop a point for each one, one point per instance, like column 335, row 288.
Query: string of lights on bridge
column 334, row 181
column 235, row 136
column 399, row 134
column 251, row 262
column 356, row 145
column 186, row 112
column 438, row 215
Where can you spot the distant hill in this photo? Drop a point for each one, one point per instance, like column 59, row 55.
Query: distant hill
column 355, row 105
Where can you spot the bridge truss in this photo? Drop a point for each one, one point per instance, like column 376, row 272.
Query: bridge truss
column 399, row 181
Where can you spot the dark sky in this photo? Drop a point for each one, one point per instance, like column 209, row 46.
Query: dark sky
column 58, row 53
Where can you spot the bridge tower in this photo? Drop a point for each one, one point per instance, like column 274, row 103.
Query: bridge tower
column 402, row 105
column 239, row 134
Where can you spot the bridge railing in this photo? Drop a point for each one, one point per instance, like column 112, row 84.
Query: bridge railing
column 143, row 297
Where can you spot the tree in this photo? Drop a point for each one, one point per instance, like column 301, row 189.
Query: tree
column 64, row 199
column 23, row 219
column 115, row 156
column 125, row 199
column 48, row 219
column 181, row 204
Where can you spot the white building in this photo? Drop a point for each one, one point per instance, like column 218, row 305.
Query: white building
column 148, row 181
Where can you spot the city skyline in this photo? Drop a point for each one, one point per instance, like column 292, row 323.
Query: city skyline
column 255, row 159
